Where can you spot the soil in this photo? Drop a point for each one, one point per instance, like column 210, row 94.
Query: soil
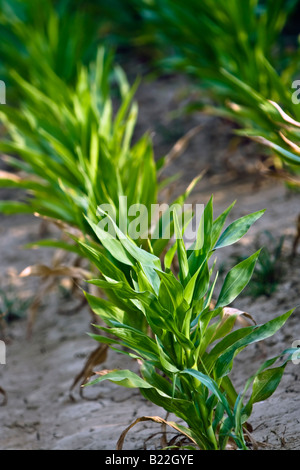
column 40, row 411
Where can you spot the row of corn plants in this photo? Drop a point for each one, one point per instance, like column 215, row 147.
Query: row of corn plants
column 75, row 150
column 75, row 153
column 236, row 54
column 42, row 42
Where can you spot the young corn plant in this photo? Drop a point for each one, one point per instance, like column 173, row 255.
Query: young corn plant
column 41, row 42
column 232, row 53
column 75, row 151
column 185, row 345
column 269, row 125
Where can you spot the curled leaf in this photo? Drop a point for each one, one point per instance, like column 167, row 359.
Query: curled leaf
column 45, row 271
column 285, row 116
column 3, row 392
column 181, row 144
column 186, row 432
column 97, row 357
column 228, row 311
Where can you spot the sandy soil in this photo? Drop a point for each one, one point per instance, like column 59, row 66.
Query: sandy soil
column 39, row 372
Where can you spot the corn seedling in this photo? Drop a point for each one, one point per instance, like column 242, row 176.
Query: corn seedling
column 41, row 42
column 188, row 348
column 232, row 53
column 12, row 307
column 75, row 153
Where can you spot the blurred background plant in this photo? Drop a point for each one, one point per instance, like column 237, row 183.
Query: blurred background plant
column 12, row 306
column 39, row 42
column 238, row 56
column 75, row 149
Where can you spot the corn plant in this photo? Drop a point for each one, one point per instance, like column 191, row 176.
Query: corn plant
column 265, row 120
column 188, row 347
column 232, row 53
column 236, row 38
column 39, row 42
column 74, row 149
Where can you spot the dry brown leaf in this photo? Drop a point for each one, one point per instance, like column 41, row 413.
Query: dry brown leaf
column 9, row 176
column 49, row 277
column 297, row 237
column 284, row 116
column 156, row 419
column 295, row 147
column 227, row 311
column 97, row 357
column 104, row 371
column 48, row 285
column 182, row 144
column 61, row 225
column 3, row 392
column 280, row 173
column 46, row 271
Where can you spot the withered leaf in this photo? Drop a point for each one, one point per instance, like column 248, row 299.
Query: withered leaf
column 156, row 419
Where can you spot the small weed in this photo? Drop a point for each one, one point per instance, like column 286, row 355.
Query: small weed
column 268, row 271
column 12, row 307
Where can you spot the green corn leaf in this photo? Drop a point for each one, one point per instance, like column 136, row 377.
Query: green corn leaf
column 54, row 244
column 181, row 252
column 266, row 380
column 288, row 157
column 169, row 256
column 134, row 339
column 236, row 280
column 211, row 385
column 264, row 385
column 132, row 250
column 225, row 344
column 105, row 309
column 224, row 363
column 113, row 246
column 219, row 223
column 172, row 289
column 125, row 378
column 12, row 207
column 237, row 229
column 149, row 373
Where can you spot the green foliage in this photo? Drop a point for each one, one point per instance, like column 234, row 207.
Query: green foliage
column 234, row 54
column 72, row 138
column 39, row 42
column 188, row 347
column 75, row 149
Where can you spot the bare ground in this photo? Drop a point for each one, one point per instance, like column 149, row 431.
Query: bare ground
column 40, row 370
